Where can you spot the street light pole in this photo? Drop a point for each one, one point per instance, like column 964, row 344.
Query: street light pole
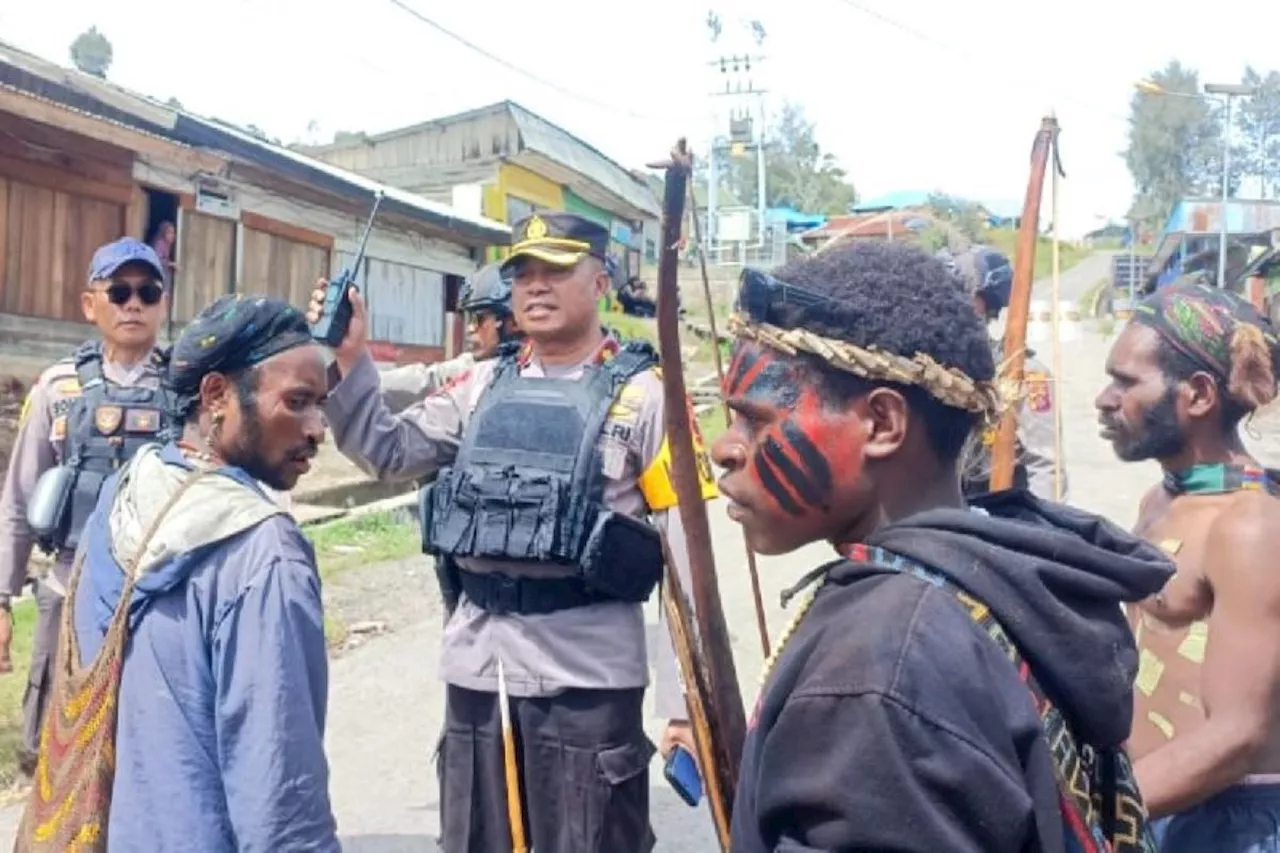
column 1227, row 91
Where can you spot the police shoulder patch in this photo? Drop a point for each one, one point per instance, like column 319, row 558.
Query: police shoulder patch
column 450, row 383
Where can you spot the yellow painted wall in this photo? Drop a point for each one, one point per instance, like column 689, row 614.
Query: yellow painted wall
column 530, row 186
column 523, row 184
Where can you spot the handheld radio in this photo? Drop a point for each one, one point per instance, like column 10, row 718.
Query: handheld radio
column 335, row 314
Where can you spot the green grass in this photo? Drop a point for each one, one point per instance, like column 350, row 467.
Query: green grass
column 12, row 686
column 1069, row 254
column 363, row 539
column 1087, row 299
column 628, row 326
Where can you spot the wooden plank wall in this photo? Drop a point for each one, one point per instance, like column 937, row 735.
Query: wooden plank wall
column 284, row 262
column 46, row 240
column 61, row 196
column 206, row 266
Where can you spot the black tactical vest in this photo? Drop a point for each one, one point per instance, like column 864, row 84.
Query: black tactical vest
column 105, row 427
column 528, row 481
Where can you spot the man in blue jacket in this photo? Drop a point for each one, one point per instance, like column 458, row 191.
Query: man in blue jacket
column 209, row 593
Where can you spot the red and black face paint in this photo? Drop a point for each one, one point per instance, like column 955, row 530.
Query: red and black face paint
column 791, row 459
column 758, row 376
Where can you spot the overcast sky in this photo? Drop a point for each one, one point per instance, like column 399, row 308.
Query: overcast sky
column 948, row 95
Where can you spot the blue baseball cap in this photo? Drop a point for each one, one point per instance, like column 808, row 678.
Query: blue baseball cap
column 112, row 256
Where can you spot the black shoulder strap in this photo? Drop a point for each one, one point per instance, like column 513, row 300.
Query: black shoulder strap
column 1093, row 783
column 633, row 358
column 88, row 362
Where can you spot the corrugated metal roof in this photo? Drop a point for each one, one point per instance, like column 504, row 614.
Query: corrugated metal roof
column 308, row 169
column 542, row 137
column 868, row 225
column 35, row 77
column 893, row 201
column 570, row 151
column 1203, row 216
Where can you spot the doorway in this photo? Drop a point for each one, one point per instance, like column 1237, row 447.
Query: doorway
column 162, row 235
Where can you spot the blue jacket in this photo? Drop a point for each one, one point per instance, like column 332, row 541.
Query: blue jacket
column 220, row 744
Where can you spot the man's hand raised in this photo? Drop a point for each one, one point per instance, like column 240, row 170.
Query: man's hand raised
column 355, row 343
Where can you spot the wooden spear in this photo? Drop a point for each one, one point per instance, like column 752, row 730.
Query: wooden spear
column 1056, row 383
column 510, row 766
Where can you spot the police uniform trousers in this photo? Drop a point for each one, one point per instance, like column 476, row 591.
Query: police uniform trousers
column 584, row 772
column 44, row 649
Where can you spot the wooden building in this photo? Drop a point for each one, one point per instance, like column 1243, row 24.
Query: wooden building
column 83, row 162
column 504, row 162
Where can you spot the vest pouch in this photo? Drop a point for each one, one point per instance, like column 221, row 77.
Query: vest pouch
column 622, row 557
column 447, row 522
column 491, row 514
column 539, row 508
column 84, row 497
column 49, row 507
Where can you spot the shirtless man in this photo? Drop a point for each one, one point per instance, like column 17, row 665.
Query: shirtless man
column 1193, row 362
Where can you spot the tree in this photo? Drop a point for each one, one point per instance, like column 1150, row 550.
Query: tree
column 1258, row 122
column 957, row 224
column 91, row 53
column 1174, row 144
column 798, row 173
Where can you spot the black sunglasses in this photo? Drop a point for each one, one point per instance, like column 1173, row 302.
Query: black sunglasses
column 119, row 293
column 760, row 295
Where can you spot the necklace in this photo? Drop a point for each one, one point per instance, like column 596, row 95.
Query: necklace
column 195, row 454
column 1219, row 478
column 785, row 636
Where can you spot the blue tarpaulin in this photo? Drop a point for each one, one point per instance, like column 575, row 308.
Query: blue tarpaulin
column 794, row 219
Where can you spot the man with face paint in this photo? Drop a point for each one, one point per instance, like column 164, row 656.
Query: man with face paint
column 1193, row 362
column 486, row 300
column 987, row 277
column 549, row 482
column 85, row 415
column 209, row 593
column 902, row 708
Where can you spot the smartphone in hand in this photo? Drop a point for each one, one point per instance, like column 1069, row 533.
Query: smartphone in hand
column 682, row 774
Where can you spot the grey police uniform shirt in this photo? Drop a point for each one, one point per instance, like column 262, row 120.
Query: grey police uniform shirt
column 1037, row 412
column 599, row 646
column 405, row 385
column 39, row 446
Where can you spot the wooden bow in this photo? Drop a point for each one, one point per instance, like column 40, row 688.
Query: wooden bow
column 1005, row 451
column 702, row 641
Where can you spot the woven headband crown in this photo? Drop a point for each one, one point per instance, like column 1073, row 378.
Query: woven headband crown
column 761, row 293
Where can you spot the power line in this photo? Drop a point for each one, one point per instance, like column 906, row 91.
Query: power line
column 936, row 42
column 542, row 81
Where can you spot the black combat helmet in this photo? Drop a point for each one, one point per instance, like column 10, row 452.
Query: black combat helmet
column 487, row 292
column 985, row 271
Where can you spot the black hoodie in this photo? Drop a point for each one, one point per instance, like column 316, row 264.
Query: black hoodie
column 893, row 722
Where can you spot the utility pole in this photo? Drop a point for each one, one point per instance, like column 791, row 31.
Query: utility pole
column 735, row 67
column 1227, row 91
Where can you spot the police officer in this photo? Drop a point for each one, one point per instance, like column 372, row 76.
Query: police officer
column 988, row 276
column 550, row 474
column 486, row 300
column 82, row 419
